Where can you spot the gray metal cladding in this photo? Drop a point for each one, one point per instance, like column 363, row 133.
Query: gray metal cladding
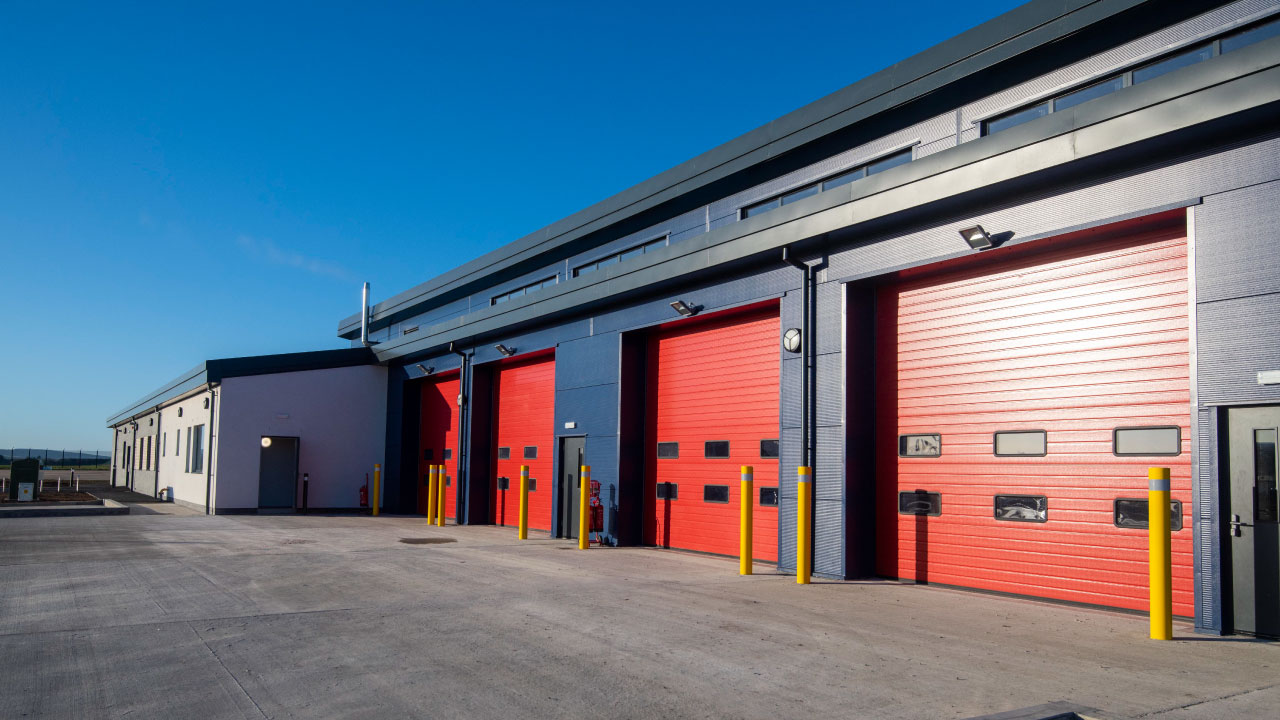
column 1240, row 251
column 1112, row 60
column 1205, row 525
column 828, row 543
column 602, row 455
column 828, row 470
column 1236, row 340
column 593, row 408
column 1060, row 211
column 712, row 296
column 829, row 321
column 787, row 528
column 587, row 361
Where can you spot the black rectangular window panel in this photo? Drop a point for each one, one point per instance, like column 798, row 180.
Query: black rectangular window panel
column 1165, row 440
column 1251, row 36
column 531, row 452
column 447, row 454
column 533, row 484
column 1020, row 443
column 1132, row 513
column 844, row 178
column 504, row 483
column 1022, row 508
column 768, row 497
column 1085, row 94
column 427, row 454
column 668, row 450
column 716, row 449
column 1012, row 119
column 448, row 480
column 902, row 157
column 504, row 453
column 768, row 448
column 715, row 493
column 668, row 491
column 919, row 502
column 924, row 445
column 1174, row 62
column 800, row 194
column 1264, row 476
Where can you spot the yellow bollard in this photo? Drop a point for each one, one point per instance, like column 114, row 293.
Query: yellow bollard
column 440, row 496
column 431, row 494
column 584, row 508
column 1160, row 554
column 524, row 502
column 744, row 521
column 804, row 490
column 377, row 487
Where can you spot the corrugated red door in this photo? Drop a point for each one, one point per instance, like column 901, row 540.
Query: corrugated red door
column 712, row 380
column 438, row 441
column 1074, row 336
column 523, row 431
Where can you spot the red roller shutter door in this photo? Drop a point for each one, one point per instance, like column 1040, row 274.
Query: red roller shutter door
column 1075, row 336
column 439, row 435
column 525, row 392
column 712, row 379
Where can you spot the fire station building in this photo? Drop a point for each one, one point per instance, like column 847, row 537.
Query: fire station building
column 980, row 293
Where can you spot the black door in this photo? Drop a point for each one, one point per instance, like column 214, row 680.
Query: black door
column 1254, row 520
column 278, row 473
column 572, row 450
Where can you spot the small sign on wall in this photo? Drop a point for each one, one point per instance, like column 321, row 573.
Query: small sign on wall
column 1269, row 377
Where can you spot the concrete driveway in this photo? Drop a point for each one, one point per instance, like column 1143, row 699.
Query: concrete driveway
column 184, row 615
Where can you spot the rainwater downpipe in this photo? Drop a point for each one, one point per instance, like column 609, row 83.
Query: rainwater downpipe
column 464, row 417
column 208, row 463
column 364, row 316
column 806, row 344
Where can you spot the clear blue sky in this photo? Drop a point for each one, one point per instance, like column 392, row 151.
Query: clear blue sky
column 181, row 183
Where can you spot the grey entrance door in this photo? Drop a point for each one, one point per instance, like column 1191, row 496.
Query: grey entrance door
column 278, row 473
column 1254, row 520
column 572, row 450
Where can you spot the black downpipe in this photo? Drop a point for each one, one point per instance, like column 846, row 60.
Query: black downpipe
column 806, row 345
column 208, row 466
column 464, row 388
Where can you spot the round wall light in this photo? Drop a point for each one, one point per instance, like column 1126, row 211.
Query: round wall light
column 791, row 340
column 266, row 442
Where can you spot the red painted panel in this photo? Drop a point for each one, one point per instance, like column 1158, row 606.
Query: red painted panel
column 712, row 378
column 439, row 432
column 1075, row 336
column 525, row 392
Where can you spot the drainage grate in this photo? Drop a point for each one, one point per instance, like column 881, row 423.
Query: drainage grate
column 426, row 541
column 296, row 541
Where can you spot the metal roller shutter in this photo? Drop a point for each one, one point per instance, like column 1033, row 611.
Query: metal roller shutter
column 525, row 392
column 439, row 438
column 1074, row 336
column 712, row 379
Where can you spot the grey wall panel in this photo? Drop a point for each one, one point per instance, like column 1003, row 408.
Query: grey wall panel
column 828, row 545
column 939, row 145
column 1238, row 251
column 712, row 296
column 828, row 331
column 1237, row 339
column 1206, row 525
column 828, row 471
column 594, row 409
column 532, row 341
column 787, row 530
column 790, row 461
column 1059, row 211
column 792, row 377
column 587, row 361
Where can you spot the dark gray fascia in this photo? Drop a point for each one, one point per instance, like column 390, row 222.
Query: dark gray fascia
column 1034, row 26
column 1226, row 85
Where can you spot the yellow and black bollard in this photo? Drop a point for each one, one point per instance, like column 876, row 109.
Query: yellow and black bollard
column 584, row 509
column 440, row 496
column 744, row 522
column 804, row 515
column 431, row 494
column 377, row 488
column 1160, row 553
column 524, row 502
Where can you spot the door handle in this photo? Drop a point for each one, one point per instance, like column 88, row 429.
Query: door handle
column 1236, row 525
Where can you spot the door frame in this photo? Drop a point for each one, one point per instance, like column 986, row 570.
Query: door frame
column 1226, row 513
column 297, row 469
column 563, row 515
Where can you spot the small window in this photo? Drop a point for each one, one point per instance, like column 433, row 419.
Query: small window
column 716, row 449
column 844, row 178
column 633, row 252
column 919, row 502
column 164, row 444
column 504, row 483
column 1012, row 119
column 606, row 262
column 926, row 445
column 768, row 448
column 1085, row 94
column 668, row 491
column 584, row 269
column 1147, row 441
column 197, row 448
column 1174, row 62
column 408, row 330
column 1022, row 508
column 753, row 210
column 504, row 453
column 531, row 452
column 715, row 493
column 448, row 480
column 428, row 454
column 447, row 454
column 1251, row 36
column 768, row 497
column 1132, row 513
column 498, row 299
column 668, row 450
column 902, row 157
column 800, row 194
column 1020, row 443
column 1265, row 508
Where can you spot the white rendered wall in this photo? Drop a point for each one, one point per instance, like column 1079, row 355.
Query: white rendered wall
column 188, row 488
column 339, row 416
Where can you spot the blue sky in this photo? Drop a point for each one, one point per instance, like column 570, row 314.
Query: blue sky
column 180, row 182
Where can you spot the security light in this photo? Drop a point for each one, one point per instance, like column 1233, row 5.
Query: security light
column 266, row 442
column 685, row 310
column 506, row 351
column 425, row 370
column 977, row 238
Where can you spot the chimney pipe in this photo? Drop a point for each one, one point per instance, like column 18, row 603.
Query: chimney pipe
column 364, row 316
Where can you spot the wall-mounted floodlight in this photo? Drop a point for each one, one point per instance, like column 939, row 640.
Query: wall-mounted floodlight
column 685, row 310
column 425, row 370
column 977, row 238
column 506, row 351
column 266, row 442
